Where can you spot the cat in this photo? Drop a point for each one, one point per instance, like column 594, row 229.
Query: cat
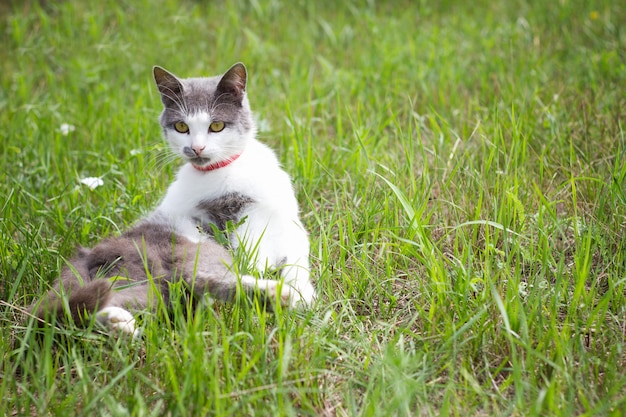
column 230, row 176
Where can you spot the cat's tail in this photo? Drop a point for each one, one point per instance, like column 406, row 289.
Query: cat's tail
column 76, row 303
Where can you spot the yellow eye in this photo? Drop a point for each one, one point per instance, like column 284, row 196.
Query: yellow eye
column 181, row 127
column 216, row 126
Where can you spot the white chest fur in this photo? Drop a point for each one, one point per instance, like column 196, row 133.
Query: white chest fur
column 272, row 228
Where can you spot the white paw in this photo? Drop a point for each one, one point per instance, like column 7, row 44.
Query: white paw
column 298, row 296
column 117, row 318
column 293, row 295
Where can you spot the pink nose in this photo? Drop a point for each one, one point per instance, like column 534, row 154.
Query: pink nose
column 197, row 149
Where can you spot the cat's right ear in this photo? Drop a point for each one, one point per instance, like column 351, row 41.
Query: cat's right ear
column 169, row 86
column 232, row 85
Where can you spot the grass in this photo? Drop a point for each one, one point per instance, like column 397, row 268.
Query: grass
column 461, row 167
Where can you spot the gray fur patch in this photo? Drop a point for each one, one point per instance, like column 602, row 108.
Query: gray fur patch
column 225, row 208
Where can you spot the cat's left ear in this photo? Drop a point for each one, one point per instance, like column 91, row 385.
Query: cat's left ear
column 169, row 85
column 233, row 82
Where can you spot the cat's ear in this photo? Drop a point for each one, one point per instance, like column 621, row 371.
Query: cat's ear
column 169, row 85
column 232, row 85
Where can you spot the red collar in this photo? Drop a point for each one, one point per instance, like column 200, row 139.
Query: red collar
column 217, row 165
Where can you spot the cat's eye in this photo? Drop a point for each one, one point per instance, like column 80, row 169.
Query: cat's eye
column 217, row 126
column 181, row 127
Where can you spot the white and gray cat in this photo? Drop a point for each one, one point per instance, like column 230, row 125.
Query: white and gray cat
column 228, row 177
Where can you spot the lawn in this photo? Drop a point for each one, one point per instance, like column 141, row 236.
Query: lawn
column 461, row 168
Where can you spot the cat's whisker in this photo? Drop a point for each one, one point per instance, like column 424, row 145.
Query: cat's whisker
column 164, row 160
column 221, row 96
column 180, row 103
column 218, row 101
column 174, row 96
column 160, row 156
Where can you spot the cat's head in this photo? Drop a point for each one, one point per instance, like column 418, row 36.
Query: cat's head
column 207, row 121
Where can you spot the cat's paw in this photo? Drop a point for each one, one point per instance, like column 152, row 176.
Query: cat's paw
column 292, row 295
column 298, row 296
column 116, row 318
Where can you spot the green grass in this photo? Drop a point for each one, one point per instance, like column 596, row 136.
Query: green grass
column 461, row 167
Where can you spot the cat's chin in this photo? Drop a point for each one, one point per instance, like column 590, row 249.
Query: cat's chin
column 199, row 162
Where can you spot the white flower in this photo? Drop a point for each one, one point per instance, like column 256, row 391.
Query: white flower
column 92, row 182
column 66, row 128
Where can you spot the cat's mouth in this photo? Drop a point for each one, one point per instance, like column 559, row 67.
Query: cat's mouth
column 202, row 164
column 199, row 162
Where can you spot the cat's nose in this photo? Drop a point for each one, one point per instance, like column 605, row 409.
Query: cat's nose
column 197, row 149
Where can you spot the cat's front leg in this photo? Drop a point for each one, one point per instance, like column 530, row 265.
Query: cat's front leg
column 297, row 289
column 281, row 246
column 296, row 278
